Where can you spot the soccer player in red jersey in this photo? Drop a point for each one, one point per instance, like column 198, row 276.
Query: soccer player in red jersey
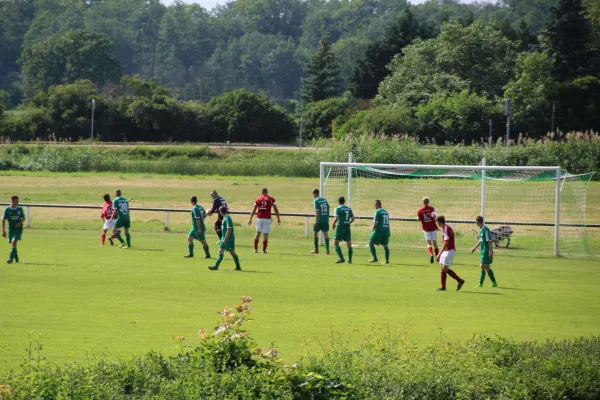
column 426, row 215
column 107, row 218
column 447, row 254
column 262, row 209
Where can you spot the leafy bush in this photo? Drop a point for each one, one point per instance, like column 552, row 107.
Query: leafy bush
column 319, row 115
column 226, row 365
column 386, row 120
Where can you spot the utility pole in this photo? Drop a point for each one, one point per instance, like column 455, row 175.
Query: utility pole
column 507, row 115
column 553, row 113
column 490, row 137
column 93, row 111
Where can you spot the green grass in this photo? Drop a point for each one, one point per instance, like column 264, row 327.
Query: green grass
column 81, row 297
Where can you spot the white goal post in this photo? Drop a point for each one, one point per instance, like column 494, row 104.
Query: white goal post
column 530, row 197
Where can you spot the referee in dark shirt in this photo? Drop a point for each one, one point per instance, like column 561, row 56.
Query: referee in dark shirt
column 218, row 201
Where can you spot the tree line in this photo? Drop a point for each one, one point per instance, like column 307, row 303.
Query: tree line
column 440, row 70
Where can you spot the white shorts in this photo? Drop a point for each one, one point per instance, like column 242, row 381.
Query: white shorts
column 109, row 224
column 432, row 235
column 447, row 257
column 263, row 225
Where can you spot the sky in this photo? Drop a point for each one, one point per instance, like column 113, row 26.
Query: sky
column 209, row 4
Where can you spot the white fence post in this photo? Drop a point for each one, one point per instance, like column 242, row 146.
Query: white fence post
column 306, row 228
column 27, row 217
column 166, row 221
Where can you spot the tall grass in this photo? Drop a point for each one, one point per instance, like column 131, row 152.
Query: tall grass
column 225, row 364
column 575, row 152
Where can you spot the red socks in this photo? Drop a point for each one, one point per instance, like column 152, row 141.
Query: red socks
column 444, row 276
column 256, row 244
column 265, row 245
column 103, row 238
column 454, row 276
column 430, row 250
column 437, row 251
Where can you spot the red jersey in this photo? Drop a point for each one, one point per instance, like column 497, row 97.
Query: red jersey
column 448, row 237
column 426, row 215
column 264, row 204
column 107, row 211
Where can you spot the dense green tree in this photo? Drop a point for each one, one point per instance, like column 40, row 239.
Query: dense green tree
column 62, row 59
column 525, row 38
column 578, row 104
column 569, row 35
column 531, row 93
column 318, row 117
column 592, row 11
column 323, row 72
column 371, row 69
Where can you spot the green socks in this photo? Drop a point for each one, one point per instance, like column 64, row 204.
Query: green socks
column 387, row 254
column 191, row 249
column 206, row 251
column 327, row 243
column 350, row 252
column 482, row 277
column 13, row 253
column 373, row 251
column 491, row 274
column 119, row 237
column 316, row 241
column 338, row 250
column 219, row 259
column 128, row 238
column 236, row 259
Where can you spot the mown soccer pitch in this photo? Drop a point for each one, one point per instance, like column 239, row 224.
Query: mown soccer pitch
column 83, row 299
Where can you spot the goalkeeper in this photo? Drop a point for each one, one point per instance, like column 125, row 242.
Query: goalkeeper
column 15, row 216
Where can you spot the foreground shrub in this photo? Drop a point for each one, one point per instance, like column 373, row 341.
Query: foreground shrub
column 226, row 365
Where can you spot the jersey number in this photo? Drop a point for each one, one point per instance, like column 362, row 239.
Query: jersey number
column 347, row 216
column 263, row 204
column 386, row 220
column 324, row 209
column 123, row 208
column 426, row 217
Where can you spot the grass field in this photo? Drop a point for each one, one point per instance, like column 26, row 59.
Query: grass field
column 80, row 297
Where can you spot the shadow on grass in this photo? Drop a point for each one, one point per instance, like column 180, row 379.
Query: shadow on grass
column 484, row 293
column 512, row 288
column 145, row 249
column 42, row 264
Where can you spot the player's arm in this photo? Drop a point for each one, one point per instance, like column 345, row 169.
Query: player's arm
column 253, row 213
column 227, row 234
column 276, row 213
column 335, row 221
column 490, row 250
column 476, row 246
column 317, row 214
column 199, row 225
column 3, row 227
column 130, row 200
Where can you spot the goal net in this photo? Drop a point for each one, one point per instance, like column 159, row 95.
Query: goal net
column 519, row 204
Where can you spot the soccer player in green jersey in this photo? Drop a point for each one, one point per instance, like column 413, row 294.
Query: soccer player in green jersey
column 121, row 213
column 381, row 232
column 198, row 229
column 227, row 241
column 15, row 216
column 487, row 253
column 321, row 221
column 343, row 218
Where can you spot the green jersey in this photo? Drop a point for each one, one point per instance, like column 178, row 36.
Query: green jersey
column 13, row 216
column 382, row 219
column 485, row 236
column 198, row 212
column 122, row 206
column 344, row 214
column 227, row 224
column 322, row 206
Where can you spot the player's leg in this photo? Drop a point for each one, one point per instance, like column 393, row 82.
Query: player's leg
column 338, row 249
column 444, row 275
column 219, row 258
column 257, row 236
column 481, row 276
column 266, row 230
column 316, row 230
column 127, row 235
column 436, row 249
column 350, row 251
column 103, row 237
column 190, row 240
column 205, row 248
column 373, row 241
column 236, row 259
column 117, row 232
column 385, row 242
column 449, row 257
column 326, row 236
column 490, row 273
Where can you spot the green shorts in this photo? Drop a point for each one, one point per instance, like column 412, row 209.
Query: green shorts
column 123, row 222
column 194, row 233
column 342, row 233
column 485, row 260
column 14, row 234
column 379, row 239
column 228, row 245
column 321, row 226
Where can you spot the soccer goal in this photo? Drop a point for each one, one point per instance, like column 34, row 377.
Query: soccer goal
column 536, row 209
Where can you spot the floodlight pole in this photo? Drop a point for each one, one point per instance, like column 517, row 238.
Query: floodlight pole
column 349, row 200
column 301, row 129
column 93, row 110
column 483, row 188
column 553, row 113
column 490, row 136
column 507, row 114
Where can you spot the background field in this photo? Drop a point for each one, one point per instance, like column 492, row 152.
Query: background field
column 82, row 297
